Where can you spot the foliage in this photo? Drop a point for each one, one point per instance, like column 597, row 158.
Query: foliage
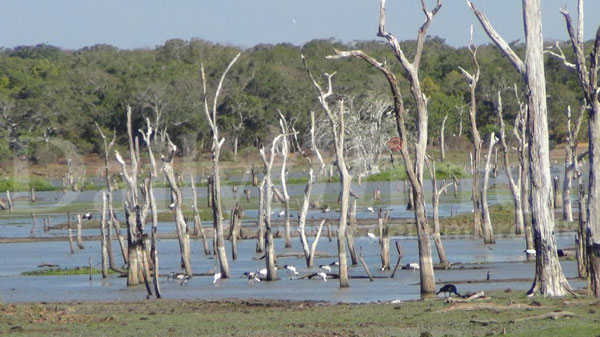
column 64, row 271
column 19, row 184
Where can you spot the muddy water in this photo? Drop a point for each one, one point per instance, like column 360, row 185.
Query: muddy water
column 504, row 261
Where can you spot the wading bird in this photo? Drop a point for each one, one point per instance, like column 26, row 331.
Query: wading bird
column 216, row 277
column 322, row 275
column 87, row 216
column 325, row 268
column 448, row 289
column 291, row 269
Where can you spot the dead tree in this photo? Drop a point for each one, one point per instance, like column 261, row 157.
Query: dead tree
column 350, row 230
column 111, row 218
column 473, row 79
column 268, row 193
column 436, row 192
column 133, row 214
column 588, row 79
column 442, row 142
column 151, row 248
column 260, row 236
column 217, row 211
column 70, row 233
column 581, row 253
column 520, row 133
column 488, row 231
column 234, row 228
column 414, row 172
column 570, row 160
column 286, row 197
column 549, row 277
column 313, row 142
column 385, row 242
column 103, row 237
column 9, row 201
column 336, row 123
column 79, row 239
column 556, row 192
column 197, row 221
column 180, row 225
column 514, row 185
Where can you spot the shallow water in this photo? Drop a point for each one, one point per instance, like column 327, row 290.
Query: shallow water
column 505, row 260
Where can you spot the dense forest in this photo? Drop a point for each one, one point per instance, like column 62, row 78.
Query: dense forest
column 48, row 93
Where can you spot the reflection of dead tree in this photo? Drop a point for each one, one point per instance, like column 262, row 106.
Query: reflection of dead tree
column 414, row 172
column 211, row 118
column 336, row 123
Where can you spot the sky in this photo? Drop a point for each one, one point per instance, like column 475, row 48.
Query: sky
column 130, row 24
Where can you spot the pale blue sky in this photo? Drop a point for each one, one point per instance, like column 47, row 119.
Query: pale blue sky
column 73, row 24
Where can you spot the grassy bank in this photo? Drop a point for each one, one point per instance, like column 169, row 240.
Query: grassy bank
column 64, row 271
column 509, row 313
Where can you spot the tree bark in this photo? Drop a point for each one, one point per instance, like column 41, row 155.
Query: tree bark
column 103, row 244
column 556, row 191
column 350, row 230
column 442, row 142
column 79, row 240
column 286, row 196
column 437, row 239
column 70, row 233
column 197, row 220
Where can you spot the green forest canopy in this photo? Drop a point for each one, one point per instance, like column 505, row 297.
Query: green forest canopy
column 47, row 92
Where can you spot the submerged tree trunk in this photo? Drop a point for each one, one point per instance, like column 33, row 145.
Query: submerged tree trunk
column 350, row 230
column 437, row 239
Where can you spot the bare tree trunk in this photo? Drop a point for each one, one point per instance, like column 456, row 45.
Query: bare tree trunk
column 556, row 192
column 236, row 222
column 70, row 233
column 473, row 79
column 591, row 90
column 286, row 196
column 581, row 238
column 33, row 197
column 79, row 240
column 442, row 143
column 337, row 129
column 197, row 220
column 211, row 117
column 260, row 237
column 549, row 277
column 514, row 186
column 103, row 248
column 437, row 239
column 364, row 264
column 116, row 225
column 415, row 173
column 385, row 243
column 9, row 201
column 154, row 244
column 180, row 225
column 350, row 230
column 488, row 231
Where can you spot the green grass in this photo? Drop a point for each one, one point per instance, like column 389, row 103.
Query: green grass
column 64, row 271
column 21, row 184
column 283, row 318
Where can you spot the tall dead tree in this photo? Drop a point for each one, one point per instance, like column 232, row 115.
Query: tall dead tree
column 488, row 230
column 134, row 214
column 286, row 197
column 414, row 172
column 442, row 141
column 514, row 185
column 217, row 210
column 268, row 193
column 549, row 277
column 180, row 225
column 103, row 237
column 336, row 123
column 435, row 202
column 588, row 79
column 473, row 79
column 109, row 188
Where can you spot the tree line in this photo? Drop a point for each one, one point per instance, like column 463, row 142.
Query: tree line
column 47, row 92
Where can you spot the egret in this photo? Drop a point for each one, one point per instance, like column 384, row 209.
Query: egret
column 371, row 236
column 322, row 275
column 370, row 209
column 414, row 266
column 530, row 251
column 325, row 268
column 291, row 268
column 282, row 213
column 216, row 277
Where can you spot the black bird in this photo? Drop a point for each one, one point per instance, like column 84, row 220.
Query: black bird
column 448, row 289
column 87, row 216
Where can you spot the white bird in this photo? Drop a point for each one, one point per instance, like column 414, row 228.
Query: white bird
column 252, row 277
column 325, row 267
column 216, row 277
column 291, row 268
column 530, row 251
column 371, row 236
column 87, row 216
column 414, row 266
column 370, row 209
column 263, row 272
column 326, row 209
column 184, row 280
column 335, row 263
column 322, row 275
column 282, row 213
column 172, row 206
